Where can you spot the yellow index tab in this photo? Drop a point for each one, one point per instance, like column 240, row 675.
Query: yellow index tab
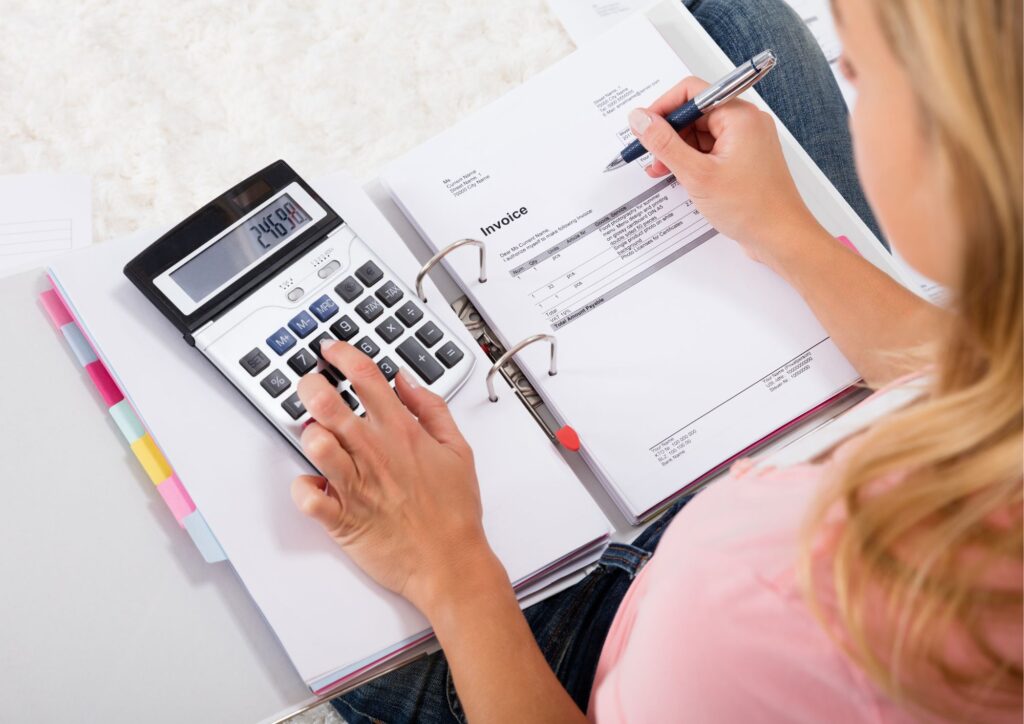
column 152, row 459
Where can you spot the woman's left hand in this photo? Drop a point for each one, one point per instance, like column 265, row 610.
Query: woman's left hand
column 401, row 497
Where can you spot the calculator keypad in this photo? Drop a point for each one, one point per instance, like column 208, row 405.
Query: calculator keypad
column 354, row 310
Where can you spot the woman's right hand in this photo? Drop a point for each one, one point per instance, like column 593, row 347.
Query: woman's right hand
column 731, row 163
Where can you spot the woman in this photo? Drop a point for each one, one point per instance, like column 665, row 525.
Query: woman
column 879, row 582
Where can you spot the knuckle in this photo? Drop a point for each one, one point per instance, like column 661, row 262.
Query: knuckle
column 362, row 367
column 317, row 442
column 322, row 403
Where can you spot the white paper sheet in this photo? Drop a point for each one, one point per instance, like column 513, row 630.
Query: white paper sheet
column 676, row 350
column 585, row 19
column 326, row 613
column 41, row 217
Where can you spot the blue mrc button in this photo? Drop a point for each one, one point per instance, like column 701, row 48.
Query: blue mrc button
column 324, row 308
column 281, row 341
column 302, row 324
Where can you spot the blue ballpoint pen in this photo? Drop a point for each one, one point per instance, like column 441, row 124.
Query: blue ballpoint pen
column 737, row 81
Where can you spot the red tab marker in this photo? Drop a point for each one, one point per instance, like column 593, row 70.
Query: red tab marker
column 569, row 439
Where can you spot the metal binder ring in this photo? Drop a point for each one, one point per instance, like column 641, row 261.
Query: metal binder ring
column 552, row 370
column 441, row 254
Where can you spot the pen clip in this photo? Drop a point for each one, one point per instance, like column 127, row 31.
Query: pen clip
column 740, row 80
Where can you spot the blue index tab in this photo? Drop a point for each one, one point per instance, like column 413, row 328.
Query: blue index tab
column 324, row 308
column 203, row 537
column 76, row 340
column 127, row 421
column 302, row 324
column 281, row 341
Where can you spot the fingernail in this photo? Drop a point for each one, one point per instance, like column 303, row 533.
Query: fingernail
column 327, row 344
column 408, row 378
column 639, row 121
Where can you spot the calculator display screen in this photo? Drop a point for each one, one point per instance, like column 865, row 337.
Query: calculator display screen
column 266, row 229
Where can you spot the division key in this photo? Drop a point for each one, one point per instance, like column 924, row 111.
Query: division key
column 419, row 359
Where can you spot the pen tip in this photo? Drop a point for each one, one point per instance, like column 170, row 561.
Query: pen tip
column 616, row 163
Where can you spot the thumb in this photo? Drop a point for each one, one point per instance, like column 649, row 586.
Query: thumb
column 429, row 409
column 658, row 137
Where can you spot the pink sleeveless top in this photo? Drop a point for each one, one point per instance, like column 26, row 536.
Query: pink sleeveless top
column 715, row 628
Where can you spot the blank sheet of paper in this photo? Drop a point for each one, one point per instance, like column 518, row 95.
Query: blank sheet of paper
column 42, row 216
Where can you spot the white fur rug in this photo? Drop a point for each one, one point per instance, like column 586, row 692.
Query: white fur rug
column 166, row 104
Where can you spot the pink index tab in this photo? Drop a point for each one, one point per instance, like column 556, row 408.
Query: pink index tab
column 55, row 308
column 848, row 244
column 177, row 498
column 104, row 383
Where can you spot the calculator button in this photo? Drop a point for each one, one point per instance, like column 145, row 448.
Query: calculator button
column 295, row 294
column 389, row 330
column 275, row 383
column 254, row 362
column 324, row 308
column 449, row 354
column 351, row 400
column 302, row 362
column 369, row 309
column 333, row 376
column 293, row 406
column 388, row 368
column 389, row 293
column 281, row 341
column 429, row 334
column 329, row 269
column 349, row 289
column 420, row 360
column 345, row 328
column 302, row 324
column 367, row 347
column 315, row 344
column 369, row 274
column 409, row 313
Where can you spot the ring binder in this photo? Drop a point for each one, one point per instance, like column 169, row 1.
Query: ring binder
column 514, row 349
column 441, row 254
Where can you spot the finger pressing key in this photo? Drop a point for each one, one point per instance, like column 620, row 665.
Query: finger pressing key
column 325, row 405
column 366, row 378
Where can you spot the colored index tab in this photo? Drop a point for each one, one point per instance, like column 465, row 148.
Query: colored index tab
column 203, row 537
column 55, row 308
column 78, row 343
column 152, row 460
column 177, row 498
column 104, row 383
column 127, row 421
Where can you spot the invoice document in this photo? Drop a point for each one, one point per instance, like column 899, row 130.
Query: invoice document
column 677, row 352
column 42, row 216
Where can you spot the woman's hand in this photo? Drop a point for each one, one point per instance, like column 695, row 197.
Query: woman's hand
column 731, row 163
column 401, row 493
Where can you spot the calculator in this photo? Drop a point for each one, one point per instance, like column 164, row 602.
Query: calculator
column 257, row 279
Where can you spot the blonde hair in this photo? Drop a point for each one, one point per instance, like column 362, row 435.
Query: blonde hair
column 915, row 578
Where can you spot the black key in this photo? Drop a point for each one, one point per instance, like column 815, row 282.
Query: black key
column 351, row 400
column 449, row 354
column 275, row 383
column 369, row 274
column 317, row 341
column 345, row 328
column 409, row 313
column 332, row 375
column 389, row 330
column 302, row 361
column 349, row 289
column 429, row 334
column 367, row 347
column 420, row 360
column 293, row 406
column 369, row 309
column 389, row 293
column 254, row 362
column 389, row 368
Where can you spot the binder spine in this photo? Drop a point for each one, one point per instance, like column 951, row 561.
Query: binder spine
column 142, row 444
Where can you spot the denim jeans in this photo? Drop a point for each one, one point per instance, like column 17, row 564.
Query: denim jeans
column 571, row 626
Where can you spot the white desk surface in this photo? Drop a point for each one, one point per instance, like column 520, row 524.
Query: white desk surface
column 108, row 611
